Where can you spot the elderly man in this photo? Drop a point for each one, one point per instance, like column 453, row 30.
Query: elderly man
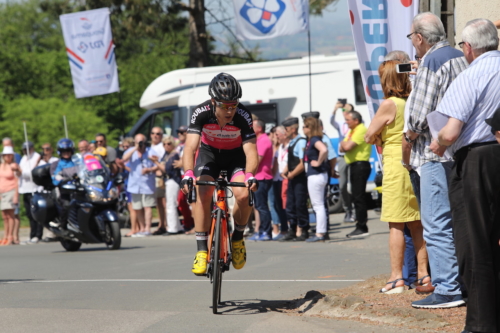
column 439, row 66
column 83, row 146
column 296, row 195
column 157, row 146
column 357, row 156
column 470, row 104
column 141, row 182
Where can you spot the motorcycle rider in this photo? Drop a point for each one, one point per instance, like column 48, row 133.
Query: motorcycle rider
column 61, row 172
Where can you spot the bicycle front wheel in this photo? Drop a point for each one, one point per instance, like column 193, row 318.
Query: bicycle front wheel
column 217, row 264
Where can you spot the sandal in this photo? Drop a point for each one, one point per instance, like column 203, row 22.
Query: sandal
column 420, row 281
column 394, row 289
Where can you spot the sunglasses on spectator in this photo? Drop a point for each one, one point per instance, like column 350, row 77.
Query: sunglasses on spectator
column 227, row 106
column 65, row 151
column 99, row 141
column 126, row 147
column 46, row 148
column 167, row 144
column 156, row 133
column 461, row 45
column 181, row 132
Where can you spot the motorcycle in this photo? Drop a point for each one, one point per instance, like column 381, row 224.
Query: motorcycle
column 92, row 214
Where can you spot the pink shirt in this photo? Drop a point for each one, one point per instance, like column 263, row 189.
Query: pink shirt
column 265, row 150
column 8, row 180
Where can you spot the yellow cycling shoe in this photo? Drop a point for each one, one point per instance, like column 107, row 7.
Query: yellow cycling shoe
column 239, row 254
column 200, row 263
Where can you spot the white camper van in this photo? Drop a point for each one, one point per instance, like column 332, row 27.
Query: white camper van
column 272, row 90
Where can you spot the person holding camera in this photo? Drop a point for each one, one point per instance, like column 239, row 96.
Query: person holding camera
column 141, row 182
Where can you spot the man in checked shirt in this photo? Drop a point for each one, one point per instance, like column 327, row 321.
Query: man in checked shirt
column 439, row 66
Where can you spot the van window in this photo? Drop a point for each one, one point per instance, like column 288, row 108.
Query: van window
column 359, row 89
column 164, row 121
column 144, row 129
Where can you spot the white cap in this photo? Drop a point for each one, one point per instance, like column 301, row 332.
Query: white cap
column 8, row 150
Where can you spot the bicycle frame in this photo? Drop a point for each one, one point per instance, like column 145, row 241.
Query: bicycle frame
column 220, row 204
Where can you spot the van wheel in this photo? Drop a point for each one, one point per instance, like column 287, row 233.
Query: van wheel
column 70, row 245
column 114, row 235
column 334, row 200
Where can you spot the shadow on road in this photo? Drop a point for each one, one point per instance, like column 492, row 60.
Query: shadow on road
column 91, row 249
column 257, row 306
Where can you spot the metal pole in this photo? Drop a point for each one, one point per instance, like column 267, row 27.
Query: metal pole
column 27, row 151
column 65, row 127
column 121, row 108
column 310, row 78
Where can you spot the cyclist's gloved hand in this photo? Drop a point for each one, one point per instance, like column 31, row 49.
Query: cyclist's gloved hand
column 188, row 175
column 251, row 182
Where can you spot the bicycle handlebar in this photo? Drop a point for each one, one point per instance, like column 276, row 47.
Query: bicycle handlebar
column 192, row 193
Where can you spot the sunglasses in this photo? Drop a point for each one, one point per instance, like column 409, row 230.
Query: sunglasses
column 65, row 151
column 99, row 141
column 409, row 35
column 126, row 147
column 46, row 148
column 156, row 133
column 461, row 44
column 227, row 106
column 181, row 132
column 167, row 144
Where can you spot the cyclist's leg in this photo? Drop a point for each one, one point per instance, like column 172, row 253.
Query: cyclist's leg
column 205, row 169
column 241, row 213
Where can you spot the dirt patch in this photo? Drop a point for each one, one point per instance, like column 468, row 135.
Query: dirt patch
column 363, row 302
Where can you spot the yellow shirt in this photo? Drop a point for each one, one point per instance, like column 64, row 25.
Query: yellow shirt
column 362, row 150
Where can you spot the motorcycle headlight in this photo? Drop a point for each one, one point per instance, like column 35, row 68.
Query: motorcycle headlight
column 94, row 196
column 113, row 193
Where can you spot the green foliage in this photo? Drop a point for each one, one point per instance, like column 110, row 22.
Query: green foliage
column 44, row 120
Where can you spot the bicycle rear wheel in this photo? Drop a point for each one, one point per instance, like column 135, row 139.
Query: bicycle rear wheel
column 217, row 265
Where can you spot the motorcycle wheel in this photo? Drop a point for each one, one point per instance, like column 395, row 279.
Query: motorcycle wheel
column 115, row 236
column 70, row 245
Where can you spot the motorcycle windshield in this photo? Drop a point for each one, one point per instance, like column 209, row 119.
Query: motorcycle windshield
column 93, row 172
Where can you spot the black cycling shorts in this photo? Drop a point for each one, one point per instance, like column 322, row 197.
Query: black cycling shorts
column 211, row 161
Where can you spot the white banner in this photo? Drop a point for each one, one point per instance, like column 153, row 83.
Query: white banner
column 379, row 27
column 91, row 52
column 262, row 19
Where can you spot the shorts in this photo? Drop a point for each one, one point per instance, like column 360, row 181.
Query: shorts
column 211, row 161
column 140, row 201
column 6, row 200
column 129, row 197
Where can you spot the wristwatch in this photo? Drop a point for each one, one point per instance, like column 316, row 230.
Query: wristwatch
column 404, row 164
column 410, row 141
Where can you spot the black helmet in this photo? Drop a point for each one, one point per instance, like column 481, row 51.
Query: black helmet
column 65, row 144
column 224, row 87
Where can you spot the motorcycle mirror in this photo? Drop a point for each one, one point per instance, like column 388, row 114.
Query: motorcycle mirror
column 70, row 187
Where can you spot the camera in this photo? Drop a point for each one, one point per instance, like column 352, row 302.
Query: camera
column 141, row 144
column 403, row 68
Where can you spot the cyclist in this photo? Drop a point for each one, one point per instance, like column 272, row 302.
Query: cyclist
column 224, row 127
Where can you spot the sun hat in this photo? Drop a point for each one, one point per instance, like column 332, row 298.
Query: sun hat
column 8, row 150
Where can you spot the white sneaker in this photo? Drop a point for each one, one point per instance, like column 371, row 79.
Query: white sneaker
column 34, row 240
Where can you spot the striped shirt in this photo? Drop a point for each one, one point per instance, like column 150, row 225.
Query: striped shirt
column 472, row 98
column 439, row 67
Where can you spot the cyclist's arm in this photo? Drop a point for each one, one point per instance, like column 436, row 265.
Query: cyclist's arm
column 190, row 147
column 250, row 149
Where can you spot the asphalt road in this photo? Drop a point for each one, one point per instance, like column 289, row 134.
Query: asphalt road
column 147, row 286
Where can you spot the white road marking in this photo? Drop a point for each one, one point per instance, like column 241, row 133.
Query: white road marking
column 153, row 280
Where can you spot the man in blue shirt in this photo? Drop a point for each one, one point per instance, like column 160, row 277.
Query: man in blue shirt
column 141, row 182
column 296, row 195
column 470, row 103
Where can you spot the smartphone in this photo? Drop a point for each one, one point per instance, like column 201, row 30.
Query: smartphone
column 403, row 68
column 343, row 101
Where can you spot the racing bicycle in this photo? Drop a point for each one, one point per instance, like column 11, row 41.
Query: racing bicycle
column 219, row 239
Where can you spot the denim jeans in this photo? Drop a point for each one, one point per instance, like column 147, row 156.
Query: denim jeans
column 262, row 207
column 276, row 205
column 438, row 233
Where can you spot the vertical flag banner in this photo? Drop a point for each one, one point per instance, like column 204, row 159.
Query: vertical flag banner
column 262, row 19
column 91, row 52
column 379, row 27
